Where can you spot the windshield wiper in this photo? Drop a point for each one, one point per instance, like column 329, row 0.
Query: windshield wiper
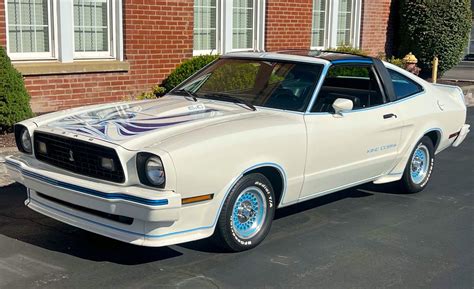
column 191, row 94
column 227, row 97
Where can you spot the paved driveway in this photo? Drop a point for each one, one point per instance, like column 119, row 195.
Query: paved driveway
column 463, row 71
column 359, row 238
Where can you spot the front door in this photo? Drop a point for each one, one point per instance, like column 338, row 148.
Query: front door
column 354, row 147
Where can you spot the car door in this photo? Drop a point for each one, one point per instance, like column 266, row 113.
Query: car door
column 355, row 146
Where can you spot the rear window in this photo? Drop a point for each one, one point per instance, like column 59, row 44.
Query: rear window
column 403, row 85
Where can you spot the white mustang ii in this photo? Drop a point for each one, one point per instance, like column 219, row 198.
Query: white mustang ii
column 249, row 133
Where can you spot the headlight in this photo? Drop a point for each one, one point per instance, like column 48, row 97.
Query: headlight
column 154, row 171
column 150, row 170
column 23, row 139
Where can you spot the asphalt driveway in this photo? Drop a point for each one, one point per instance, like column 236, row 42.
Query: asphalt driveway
column 368, row 237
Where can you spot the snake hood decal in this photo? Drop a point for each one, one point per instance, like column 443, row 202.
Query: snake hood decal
column 126, row 122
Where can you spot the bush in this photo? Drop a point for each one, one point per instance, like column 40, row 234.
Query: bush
column 155, row 92
column 349, row 49
column 14, row 98
column 396, row 61
column 186, row 69
column 431, row 28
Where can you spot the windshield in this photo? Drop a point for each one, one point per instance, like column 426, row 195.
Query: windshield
column 274, row 84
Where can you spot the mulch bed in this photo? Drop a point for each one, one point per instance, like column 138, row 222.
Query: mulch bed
column 7, row 140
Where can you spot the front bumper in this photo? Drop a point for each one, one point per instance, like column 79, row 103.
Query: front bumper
column 61, row 196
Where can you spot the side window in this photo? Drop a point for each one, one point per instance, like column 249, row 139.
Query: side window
column 355, row 82
column 403, row 85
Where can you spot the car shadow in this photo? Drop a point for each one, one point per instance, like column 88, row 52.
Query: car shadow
column 209, row 247
column 321, row 201
column 20, row 223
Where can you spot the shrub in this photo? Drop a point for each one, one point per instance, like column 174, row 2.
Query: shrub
column 14, row 98
column 156, row 91
column 349, row 49
column 186, row 69
column 396, row 61
column 431, row 28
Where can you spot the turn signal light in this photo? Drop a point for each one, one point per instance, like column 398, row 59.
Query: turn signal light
column 197, row 199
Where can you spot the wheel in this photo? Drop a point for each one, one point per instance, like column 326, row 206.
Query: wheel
column 247, row 214
column 418, row 169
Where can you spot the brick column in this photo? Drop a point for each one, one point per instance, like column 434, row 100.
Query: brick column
column 3, row 28
column 288, row 24
column 376, row 26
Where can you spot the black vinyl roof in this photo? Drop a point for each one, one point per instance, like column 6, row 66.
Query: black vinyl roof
column 325, row 54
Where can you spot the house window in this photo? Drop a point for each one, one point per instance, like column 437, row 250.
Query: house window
column 29, row 28
column 319, row 23
column 64, row 30
column 344, row 22
column 92, row 28
column 336, row 23
column 205, row 25
column 243, row 25
column 222, row 26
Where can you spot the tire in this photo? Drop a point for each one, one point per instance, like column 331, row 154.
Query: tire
column 419, row 167
column 246, row 215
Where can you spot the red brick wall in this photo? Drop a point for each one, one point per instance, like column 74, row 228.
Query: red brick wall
column 376, row 31
column 288, row 24
column 3, row 33
column 157, row 36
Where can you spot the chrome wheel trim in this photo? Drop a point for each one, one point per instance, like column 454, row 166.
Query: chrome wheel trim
column 420, row 164
column 248, row 213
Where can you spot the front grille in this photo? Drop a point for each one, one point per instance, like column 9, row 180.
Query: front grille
column 78, row 156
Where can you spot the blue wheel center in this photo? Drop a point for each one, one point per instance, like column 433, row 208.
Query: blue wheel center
column 249, row 213
column 419, row 164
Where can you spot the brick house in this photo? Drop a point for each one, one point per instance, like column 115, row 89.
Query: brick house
column 78, row 52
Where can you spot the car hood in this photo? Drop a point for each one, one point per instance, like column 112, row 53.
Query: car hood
column 135, row 125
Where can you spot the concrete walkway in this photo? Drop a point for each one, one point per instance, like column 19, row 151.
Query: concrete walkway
column 4, row 177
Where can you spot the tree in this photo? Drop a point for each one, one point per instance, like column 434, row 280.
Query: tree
column 431, row 28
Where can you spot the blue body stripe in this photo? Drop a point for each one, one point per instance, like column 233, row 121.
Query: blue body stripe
column 92, row 192
column 171, row 233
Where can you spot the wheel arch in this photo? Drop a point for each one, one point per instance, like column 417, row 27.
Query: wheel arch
column 435, row 136
column 275, row 174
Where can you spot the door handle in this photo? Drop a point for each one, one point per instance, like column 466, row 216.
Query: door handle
column 389, row 115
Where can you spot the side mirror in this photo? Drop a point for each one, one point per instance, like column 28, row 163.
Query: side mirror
column 341, row 105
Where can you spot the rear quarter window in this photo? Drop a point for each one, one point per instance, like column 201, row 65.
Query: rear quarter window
column 403, row 86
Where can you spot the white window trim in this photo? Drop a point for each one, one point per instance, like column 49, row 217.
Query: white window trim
column 61, row 29
column 111, row 36
column 34, row 55
column 224, row 27
column 210, row 51
column 327, row 14
column 332, row 14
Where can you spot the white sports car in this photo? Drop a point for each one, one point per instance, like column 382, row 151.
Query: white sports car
column 247, row 134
